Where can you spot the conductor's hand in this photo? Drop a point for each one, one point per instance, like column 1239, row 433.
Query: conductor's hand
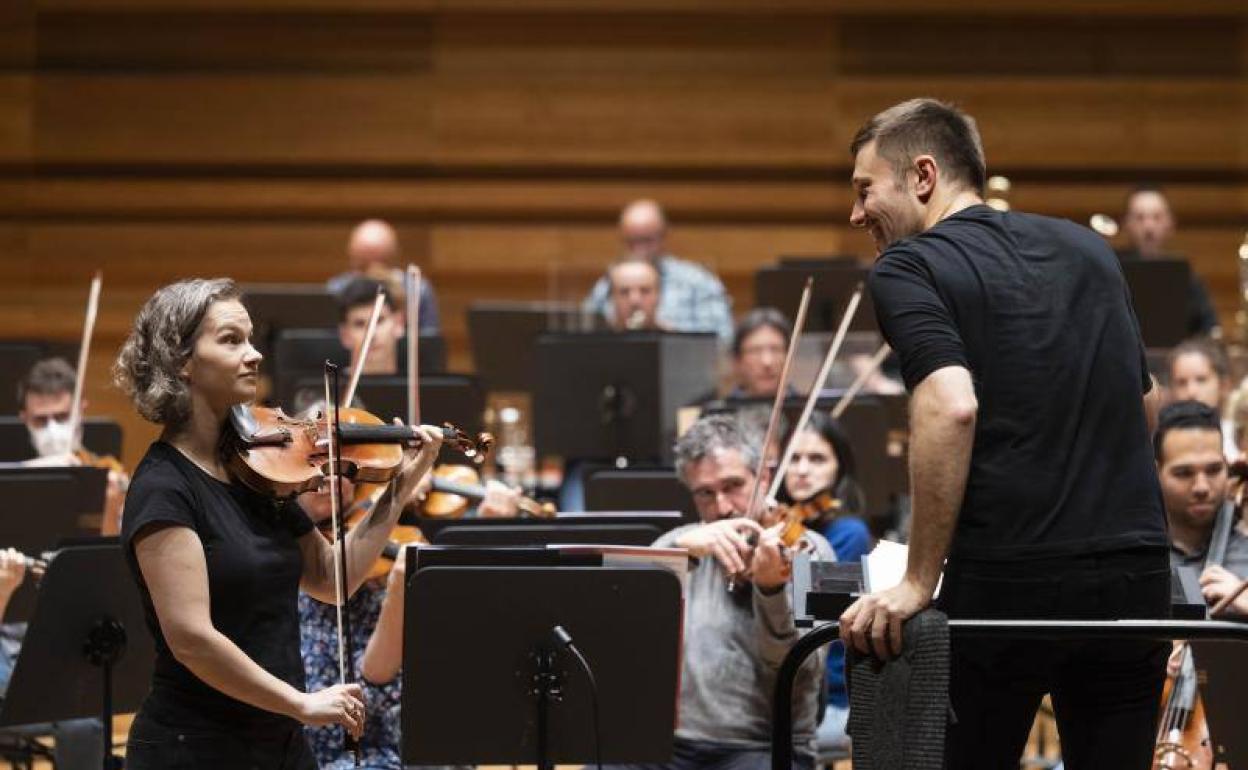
column 1216, row 583
column 872, row 625
column 772, row 566
column 342, row 704
column 726, row 540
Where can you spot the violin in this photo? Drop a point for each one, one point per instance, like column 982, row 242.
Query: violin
column 281, row 456
column 456, row 486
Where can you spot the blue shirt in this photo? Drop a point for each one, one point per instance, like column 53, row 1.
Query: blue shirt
column 850, row 540
column 691, row 299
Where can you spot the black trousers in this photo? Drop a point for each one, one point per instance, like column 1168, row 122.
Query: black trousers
column 1105, row 693
column 154, row 745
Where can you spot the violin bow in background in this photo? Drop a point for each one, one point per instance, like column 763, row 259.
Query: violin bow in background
column 774, row 420
column 813, row 396
column 412, row 279
column 858, row 384
column 361, row 354
column 88, row 328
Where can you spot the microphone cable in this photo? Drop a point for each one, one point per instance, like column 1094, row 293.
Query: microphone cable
column 564, row 640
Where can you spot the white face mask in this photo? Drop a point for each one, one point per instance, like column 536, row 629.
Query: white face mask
column 52, row 439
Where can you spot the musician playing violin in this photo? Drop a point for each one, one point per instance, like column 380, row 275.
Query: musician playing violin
column 733, row 646
column 376, row 623
column 46, row 396
column 820, row 479
column 219, row 566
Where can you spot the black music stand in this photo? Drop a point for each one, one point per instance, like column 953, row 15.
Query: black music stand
column 1159, row 294
column 481, row 640
column 99, row 434
column 638, row 489
column 276, row 306
column 834, row 283
column 88, row 636
column 503, row 335
column 454, row 398
column 615, row 395
column 298, row 355
column 623, row 528
column 42, row 506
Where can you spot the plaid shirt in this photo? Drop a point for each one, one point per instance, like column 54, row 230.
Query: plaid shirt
column 691, row 299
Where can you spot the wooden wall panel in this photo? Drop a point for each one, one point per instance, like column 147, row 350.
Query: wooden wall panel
column 164, row 138
column 113, row 119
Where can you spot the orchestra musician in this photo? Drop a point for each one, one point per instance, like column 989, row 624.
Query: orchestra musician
column 1148, row 224
column 219, row 566
column 355, row 307
column 759, row 344
column 820, row 477
column 1030, row 462
column 1195, row 484
column 634, row 293
column 692, row 298
column 373, row 252
column 1199, row 370
column 733, row 646
column 46, row 396
column 376, row 622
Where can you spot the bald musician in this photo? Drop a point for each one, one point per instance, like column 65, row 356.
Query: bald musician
column 1030, row 461
column 691, row 299
column 373, row 252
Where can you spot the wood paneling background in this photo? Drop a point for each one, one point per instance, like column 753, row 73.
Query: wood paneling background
column 165, row 138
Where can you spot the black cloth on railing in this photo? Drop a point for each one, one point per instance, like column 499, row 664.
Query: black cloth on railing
column 898, row 710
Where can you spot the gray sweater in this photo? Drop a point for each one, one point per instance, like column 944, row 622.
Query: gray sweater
column 732, row 650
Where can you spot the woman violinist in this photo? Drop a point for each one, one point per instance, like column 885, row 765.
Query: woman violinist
column 219, row 566
column 820, row 481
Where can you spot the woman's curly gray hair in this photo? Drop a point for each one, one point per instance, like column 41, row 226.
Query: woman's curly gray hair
column 160, row 344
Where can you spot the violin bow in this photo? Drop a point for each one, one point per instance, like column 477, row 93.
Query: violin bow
column 813, row 396
column 858, row 384
column 357, row 360
column 88, row 328
column 413, row 279
column 774, row 420
column 345, row 653
column 1227, row 600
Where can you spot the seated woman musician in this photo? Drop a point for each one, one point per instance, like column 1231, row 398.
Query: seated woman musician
column 821, row 476
column 375, row 614
column 218, row 564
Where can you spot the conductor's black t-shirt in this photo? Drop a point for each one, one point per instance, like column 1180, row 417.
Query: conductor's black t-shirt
column 254, row 565
column 1037, row 309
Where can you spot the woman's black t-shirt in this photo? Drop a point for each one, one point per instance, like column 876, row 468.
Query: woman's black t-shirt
column 254, row 565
